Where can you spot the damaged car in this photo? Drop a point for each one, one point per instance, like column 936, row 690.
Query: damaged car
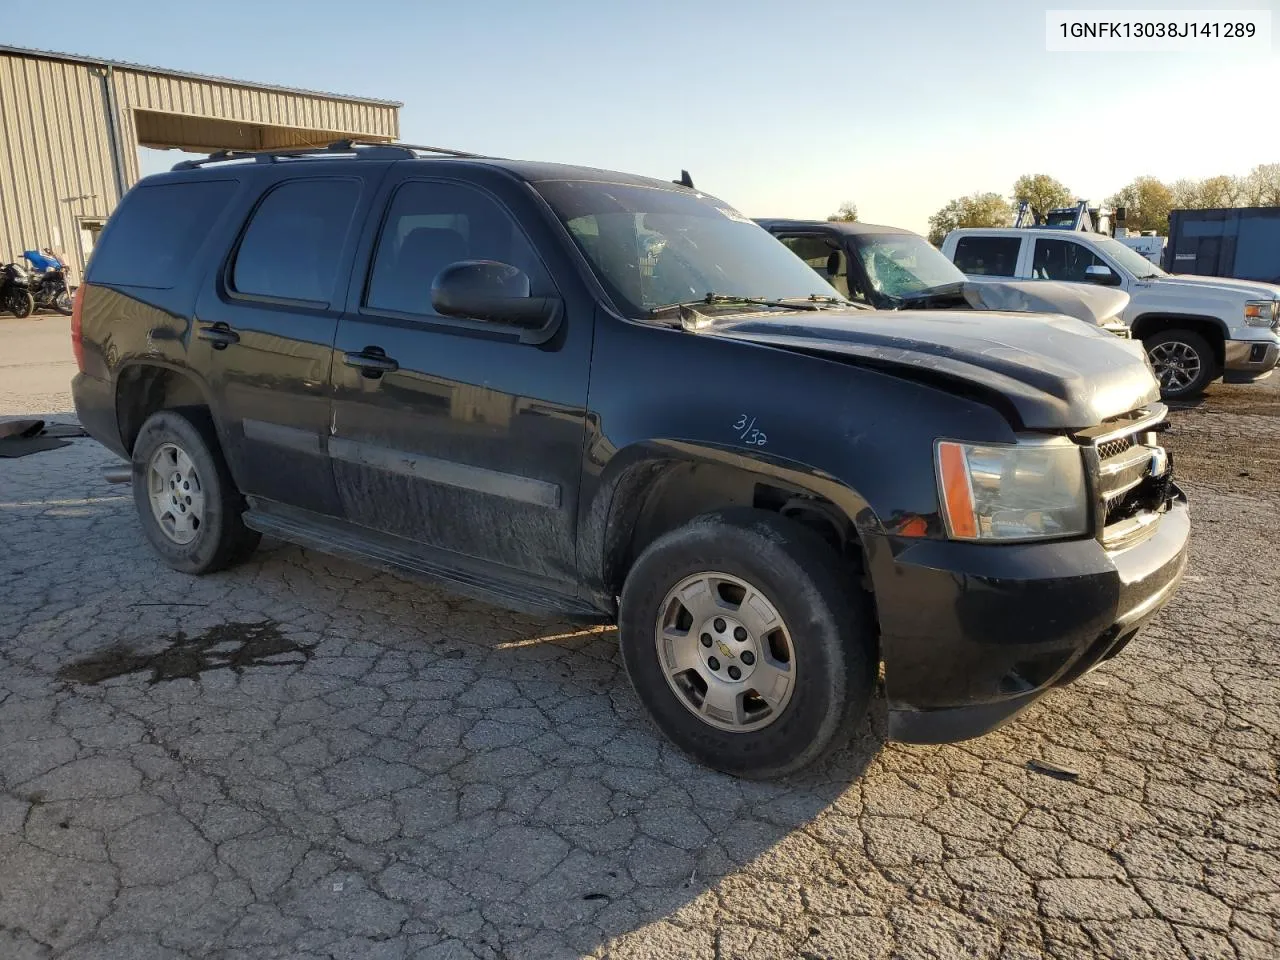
column 890, row 268
column 591, row 395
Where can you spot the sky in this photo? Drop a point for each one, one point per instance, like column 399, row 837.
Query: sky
column 780, row 108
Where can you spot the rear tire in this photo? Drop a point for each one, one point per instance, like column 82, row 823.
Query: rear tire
column 780, row 609
column 1184, row 363
column 186, row 500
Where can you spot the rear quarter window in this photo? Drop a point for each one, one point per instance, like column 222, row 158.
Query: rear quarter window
column 988, row 256
column 157, row 231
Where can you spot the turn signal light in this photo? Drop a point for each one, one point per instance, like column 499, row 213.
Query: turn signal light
column 956, row 490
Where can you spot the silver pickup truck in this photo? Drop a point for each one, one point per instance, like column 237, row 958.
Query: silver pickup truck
column 1196, row 329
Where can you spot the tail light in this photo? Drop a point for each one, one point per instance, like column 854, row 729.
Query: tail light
column 77, row 329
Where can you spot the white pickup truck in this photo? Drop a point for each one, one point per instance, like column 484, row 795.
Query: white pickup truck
column 1195, row 329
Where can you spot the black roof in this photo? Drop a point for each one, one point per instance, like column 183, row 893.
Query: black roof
column 529, row 170
column 855, row 227
column 537, row 170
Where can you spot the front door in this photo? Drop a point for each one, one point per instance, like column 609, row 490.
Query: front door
column 455, row 434
column 265, row 323
column 825, row 255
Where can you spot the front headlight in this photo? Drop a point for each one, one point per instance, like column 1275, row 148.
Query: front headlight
column 1261, row 313
column 1030, row 491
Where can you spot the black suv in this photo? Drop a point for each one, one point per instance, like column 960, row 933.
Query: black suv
column 584, row 393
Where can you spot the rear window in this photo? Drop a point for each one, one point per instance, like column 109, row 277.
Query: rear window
column 292, row 248
column 156, row 232
column 988, row 256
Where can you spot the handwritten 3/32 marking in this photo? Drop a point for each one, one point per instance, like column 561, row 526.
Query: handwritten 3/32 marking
column 747, row 431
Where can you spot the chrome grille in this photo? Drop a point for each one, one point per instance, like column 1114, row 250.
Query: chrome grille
column 1113, row 448
column 1126, row 451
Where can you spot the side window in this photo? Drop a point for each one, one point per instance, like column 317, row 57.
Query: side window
column 432, row 225
column 157, row 231
column 1056, row 259
column 988, row 256
column 827, row 260
column 292, row 248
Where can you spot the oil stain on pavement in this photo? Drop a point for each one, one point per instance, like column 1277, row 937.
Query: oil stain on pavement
column 227, row 646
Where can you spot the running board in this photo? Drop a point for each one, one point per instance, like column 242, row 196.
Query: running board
column 464, row 575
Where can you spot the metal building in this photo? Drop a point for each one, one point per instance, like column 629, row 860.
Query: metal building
column 70, row 128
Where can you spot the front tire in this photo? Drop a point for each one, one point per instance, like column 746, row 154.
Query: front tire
column 21, row 304
column 750, row 645
column 188, row 504
column 1184, row 363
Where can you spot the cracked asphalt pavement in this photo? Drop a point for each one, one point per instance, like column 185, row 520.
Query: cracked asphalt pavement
column 303, row 758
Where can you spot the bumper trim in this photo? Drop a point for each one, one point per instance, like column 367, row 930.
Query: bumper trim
column 953, row 724
column 1238, row 367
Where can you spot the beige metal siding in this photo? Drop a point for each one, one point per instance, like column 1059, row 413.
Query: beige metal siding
column 298, row 114
column 56, row 136
column 55, row 147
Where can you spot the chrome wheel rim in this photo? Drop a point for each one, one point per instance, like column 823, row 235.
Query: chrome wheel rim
column 1177, row 364
column 177, row 498
column 726, row 652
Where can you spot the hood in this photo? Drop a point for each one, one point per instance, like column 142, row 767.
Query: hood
column 1244, row 289
column 1092, row 304
column 1054, row 372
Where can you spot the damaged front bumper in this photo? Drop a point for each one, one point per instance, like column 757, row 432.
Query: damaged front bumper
column 972, row 634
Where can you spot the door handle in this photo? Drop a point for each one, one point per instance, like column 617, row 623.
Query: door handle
column 373, row 362
column 219, row 334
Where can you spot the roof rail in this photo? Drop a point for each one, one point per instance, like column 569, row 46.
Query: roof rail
column 362, row 149
column 416, row 148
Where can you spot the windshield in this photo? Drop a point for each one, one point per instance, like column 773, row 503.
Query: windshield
column 901, row 265
column 1128, row 258
column 651, row 247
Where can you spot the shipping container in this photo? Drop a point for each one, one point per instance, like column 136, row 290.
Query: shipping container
column 1241, row 242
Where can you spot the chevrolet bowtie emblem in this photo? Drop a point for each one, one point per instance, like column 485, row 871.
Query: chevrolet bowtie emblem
column 724, row 649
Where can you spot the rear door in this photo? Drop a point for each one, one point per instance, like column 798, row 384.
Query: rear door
column 266, row 320
column 984, row 255
column 454, row 433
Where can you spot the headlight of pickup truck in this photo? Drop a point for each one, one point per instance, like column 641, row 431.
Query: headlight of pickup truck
column 1261, row 313
column 1030, row 491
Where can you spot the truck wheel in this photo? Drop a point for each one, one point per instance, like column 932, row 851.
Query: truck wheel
column 749, row 645
column 1184, row 363
column 188, row 504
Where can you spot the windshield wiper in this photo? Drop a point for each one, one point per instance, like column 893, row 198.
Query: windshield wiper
column 824, row 301
column 711, row 299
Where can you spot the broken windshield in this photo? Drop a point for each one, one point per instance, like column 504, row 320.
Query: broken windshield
column 651, row 246
column 903, row 265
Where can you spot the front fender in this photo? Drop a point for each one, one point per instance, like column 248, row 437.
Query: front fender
column 861, row 438
column 619, row 490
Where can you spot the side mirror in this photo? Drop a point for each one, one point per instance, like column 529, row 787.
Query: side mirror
column 1097, row 273
column 491, row 291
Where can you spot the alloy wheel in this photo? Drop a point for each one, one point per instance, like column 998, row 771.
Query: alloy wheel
column 1177, row 364
column 177, row 498
column 726, row 652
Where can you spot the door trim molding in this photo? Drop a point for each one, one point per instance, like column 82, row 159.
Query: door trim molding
column 279, row 435
column 509, row 486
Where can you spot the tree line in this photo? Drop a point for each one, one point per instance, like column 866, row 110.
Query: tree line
column 1147, row 200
